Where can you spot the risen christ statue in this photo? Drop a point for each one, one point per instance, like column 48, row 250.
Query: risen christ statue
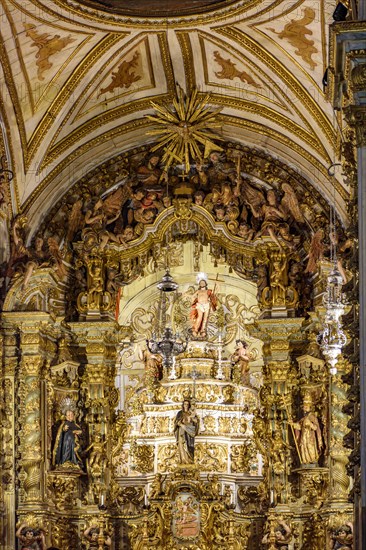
column 202, row 302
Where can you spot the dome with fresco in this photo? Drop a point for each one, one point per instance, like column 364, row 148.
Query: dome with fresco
column 157, row 8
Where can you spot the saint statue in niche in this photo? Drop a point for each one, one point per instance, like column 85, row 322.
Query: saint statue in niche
column 66, row 447
column 203, row 301
column 308, row 434
column 186, row 427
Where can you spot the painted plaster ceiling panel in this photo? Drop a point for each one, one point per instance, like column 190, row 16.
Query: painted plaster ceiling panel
column 40, row 58
column 300, row 34
column 228, row 72
column 77, row 78
column 126, row 77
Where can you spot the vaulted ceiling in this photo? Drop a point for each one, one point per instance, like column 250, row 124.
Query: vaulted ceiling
column 77, row 83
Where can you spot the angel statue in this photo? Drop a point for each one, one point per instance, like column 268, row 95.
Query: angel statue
column 103, row 213
column 290, row 204
column 156, row 488
column 28, row 259
column 277, row 217
column 97, row 458
column 272, row 217
column 316, row 251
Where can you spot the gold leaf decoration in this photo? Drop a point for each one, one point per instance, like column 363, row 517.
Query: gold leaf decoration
column 185, row 129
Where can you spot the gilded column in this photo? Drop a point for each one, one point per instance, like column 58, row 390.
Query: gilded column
column 99, row 399
column 9, row 346
column 356, row 117
column 37, row 351
column 279, row 337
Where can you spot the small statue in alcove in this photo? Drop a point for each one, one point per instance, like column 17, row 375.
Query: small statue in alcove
column 67, row 442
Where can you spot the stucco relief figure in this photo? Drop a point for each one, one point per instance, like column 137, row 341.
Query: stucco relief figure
column 203, row 301
column 282, row 536
column 30, row 539
column 66, row 448
column 186, row 427
column 342, row 538
column 308, row 434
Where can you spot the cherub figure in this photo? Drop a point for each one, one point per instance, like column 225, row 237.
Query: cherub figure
column 31, row 539
column 278, row 451
column 282, row 536
column 342, row 538
column 96, row 538
column 245, row 232
column 126, row 235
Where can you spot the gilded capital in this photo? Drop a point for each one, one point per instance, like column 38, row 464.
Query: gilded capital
column 356, row 117
column 358, row 78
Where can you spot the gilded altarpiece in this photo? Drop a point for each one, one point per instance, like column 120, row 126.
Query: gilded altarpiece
column 95, row 423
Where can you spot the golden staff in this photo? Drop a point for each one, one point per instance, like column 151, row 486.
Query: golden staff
column 292, row 429
column 238, row 161
column 213, row 293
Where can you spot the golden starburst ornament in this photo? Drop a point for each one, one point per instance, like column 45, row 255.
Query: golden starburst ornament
column 185, row 129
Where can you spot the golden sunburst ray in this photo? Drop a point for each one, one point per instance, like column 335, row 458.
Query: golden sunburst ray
column 188, row 129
